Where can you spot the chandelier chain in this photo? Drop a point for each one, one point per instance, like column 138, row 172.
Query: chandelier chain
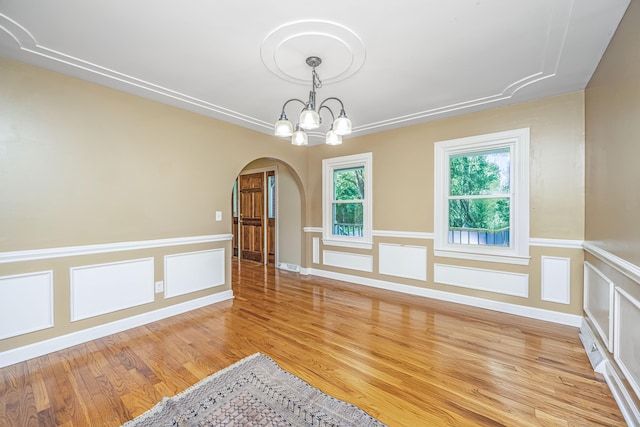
column 317, row 83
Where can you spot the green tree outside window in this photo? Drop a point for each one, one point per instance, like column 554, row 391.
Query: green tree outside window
column 479, row 191
column 348, row 190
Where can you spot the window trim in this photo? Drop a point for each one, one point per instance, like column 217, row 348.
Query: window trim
column 328, row 166
column 518, row 142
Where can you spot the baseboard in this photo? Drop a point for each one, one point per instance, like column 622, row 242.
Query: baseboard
column 623, row 398
column 519, row 310
column 30, row 351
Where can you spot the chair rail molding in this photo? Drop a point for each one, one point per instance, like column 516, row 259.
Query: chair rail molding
column 628, row 269
column 69, row 251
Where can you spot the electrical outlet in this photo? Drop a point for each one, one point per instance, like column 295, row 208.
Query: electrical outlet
column 159, row 286
column 218, row 215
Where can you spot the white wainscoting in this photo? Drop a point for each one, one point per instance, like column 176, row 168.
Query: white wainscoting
column 193, row 271
column 348, row 260
column 105, row 288
column 556, row 280
column 502, row 282
column 26, row 303
column 612, row 304
column 627, row 337
column 403, row 261
column 598, row 302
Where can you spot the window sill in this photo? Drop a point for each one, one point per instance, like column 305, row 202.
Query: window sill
column 346, row 244
column 502, row 259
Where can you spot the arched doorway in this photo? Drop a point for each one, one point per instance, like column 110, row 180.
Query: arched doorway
column 268, row 210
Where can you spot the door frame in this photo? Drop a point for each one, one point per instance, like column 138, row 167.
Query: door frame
column 264, row 212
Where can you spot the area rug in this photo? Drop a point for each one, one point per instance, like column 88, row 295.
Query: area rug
column 253, row 392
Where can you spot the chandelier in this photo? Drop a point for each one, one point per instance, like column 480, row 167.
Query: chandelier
column 310, row 119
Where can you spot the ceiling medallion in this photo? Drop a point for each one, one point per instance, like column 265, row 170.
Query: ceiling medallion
column 285, row 50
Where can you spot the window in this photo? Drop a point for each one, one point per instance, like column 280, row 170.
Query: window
column 234, row 198
column 482, row 197
column 271, row 195
column 347, row 201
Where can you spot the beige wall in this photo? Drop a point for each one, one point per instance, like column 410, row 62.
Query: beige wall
column 87, row 164
column 612, row 206
column 81, row 164
column 612, row 106
column 403, row 186
column 403, row 166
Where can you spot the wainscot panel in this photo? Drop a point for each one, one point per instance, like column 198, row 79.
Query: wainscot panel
column 403, row 261
column 105, row 288
column 316, row 250
column 627, row 338
column 501, row 282
column 348, row 260
column 556, row 279
column 31, row 303
column 598, row 303
column 195, row 271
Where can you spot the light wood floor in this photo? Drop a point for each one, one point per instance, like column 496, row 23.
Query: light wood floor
column 406, row 360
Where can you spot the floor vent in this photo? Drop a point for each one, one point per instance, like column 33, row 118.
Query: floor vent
column 289, row 267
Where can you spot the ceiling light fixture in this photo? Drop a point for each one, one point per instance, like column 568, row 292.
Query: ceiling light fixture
column 310, row 119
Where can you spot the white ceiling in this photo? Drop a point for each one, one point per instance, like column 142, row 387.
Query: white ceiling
column 393, row 63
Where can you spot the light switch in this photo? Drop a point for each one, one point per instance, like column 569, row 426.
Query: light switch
column 218, row 215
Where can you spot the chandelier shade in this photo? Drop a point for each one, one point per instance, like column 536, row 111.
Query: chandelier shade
column 332, row 138
column 284, row 128
column 342, row 124
column 310, row 117
column 299, row 137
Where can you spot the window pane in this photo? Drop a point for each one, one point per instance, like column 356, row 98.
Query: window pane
column 348, row 219
column 234, row 197
column 483, row 172
column 480, row 221
column 271, row 209
column 348, row 184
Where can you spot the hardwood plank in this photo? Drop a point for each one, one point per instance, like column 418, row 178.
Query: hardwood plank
column 41, row 398
column 407, row 360
column 19, row 402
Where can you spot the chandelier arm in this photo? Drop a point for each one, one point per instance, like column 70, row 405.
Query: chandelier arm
column 329, row 99
column 292, row 99
column 333, row 118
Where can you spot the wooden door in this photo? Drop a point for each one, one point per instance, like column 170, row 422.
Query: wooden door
column 252, row 216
